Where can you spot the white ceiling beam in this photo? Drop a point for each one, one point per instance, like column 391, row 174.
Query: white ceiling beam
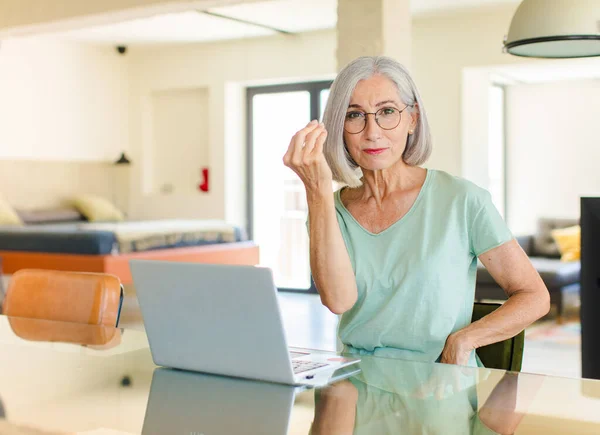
column 28, row 17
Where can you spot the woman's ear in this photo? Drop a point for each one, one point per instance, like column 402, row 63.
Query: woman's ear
column 414, row 114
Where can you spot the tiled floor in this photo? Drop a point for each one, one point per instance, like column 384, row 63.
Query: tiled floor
column 310, row 325
column 553, row 356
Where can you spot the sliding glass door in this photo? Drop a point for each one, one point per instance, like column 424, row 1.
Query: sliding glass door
column 277, row 207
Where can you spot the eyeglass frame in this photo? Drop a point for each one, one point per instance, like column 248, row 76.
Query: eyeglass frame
column 376, row 121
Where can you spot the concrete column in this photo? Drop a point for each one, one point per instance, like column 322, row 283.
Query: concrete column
column 373, row 28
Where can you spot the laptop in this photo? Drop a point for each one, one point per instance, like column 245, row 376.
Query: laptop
column 224, row 320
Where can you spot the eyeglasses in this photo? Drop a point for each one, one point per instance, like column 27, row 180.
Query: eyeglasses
column 388, row 118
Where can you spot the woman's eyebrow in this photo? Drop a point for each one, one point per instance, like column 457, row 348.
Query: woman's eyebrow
column 386, row 102
column 358, row 106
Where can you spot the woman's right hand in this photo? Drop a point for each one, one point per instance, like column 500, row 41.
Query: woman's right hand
column 305, row 157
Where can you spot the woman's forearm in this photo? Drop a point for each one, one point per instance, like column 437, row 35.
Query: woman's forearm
column 528, row 297
column 329, row 260
column 520, row 310
column 499, row 413
column 335, row 411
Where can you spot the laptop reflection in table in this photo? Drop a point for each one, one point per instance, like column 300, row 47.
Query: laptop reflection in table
column 183, row 402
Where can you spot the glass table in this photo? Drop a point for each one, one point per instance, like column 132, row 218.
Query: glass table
column 67, row 378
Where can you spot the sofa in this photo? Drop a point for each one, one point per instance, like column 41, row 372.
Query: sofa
column 561, row 278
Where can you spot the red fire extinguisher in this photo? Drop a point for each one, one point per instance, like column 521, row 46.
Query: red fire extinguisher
column 204, row 185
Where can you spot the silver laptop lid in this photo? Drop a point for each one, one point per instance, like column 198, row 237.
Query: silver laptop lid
column 213, row 318
column 195, row 403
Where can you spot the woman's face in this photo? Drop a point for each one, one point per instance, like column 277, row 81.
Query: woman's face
column 376, row 148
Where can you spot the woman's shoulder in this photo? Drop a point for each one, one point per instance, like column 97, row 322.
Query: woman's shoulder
column 458, row 187
column 345, row 195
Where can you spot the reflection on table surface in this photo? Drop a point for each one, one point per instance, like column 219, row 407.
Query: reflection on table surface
column 67, row 378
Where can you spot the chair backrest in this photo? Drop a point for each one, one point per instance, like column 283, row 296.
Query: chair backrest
column 505, row 355
column 90, row 298
column 95, row 336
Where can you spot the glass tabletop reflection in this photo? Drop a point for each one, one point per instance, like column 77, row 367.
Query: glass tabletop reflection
column 67, row 378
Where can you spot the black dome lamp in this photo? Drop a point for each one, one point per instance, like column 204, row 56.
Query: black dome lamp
column 123, row 160
column 555, row 29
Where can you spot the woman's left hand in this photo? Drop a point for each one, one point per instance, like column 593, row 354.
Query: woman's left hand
column 457, row 350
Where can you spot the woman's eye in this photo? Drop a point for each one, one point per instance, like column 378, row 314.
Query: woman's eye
column 354, row 115
column 389, row 111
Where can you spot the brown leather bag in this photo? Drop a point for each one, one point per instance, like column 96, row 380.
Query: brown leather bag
column 90, row 298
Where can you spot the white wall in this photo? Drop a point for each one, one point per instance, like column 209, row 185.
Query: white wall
column 181, row 149
column 443, row 45
column 61, row 101
column 224, row 69
column 553, row 139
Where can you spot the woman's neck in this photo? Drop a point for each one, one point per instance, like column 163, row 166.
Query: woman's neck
column 383, row 183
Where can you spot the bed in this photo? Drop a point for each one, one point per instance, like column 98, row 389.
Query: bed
column 78, row 245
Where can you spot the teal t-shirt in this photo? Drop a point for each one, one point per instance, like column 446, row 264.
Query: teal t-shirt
column 416, row 279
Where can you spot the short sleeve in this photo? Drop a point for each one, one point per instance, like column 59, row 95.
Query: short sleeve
column 488, row 229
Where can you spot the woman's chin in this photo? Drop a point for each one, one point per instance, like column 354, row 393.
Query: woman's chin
column 376, row 165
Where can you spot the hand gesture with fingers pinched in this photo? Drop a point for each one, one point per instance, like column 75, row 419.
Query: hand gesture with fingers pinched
column 305, row 157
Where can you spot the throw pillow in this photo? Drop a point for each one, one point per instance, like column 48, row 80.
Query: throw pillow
column 543, row 242
column 568, row 241
column 97, row 209
column 8, row 216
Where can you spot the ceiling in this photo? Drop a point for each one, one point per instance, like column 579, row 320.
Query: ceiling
column 194, row 26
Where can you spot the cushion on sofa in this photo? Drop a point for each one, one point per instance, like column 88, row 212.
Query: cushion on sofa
column 526, row 242
column 568, row 241
column 97, row 209
column 48, row 216
column 543, row 242
column 8, row 215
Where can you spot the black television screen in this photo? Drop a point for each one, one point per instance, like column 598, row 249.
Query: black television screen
column 590, row 287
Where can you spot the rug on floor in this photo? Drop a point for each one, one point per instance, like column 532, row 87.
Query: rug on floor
column 551, row 332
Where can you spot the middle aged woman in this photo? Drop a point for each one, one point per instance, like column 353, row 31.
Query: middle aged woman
column 395, row 250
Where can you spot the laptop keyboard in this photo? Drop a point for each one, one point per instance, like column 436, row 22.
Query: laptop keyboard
column 304, row 366
column 297, row 354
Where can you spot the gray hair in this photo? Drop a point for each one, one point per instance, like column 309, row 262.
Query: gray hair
column 418, row 146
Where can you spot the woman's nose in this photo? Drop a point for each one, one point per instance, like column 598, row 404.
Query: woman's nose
column 372, row 129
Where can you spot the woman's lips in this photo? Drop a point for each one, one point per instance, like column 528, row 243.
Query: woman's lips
column 374, row 151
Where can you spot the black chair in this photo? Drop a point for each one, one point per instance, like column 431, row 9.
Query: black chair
column 505, row 355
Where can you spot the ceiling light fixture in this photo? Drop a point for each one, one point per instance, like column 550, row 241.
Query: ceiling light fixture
column 555, row 29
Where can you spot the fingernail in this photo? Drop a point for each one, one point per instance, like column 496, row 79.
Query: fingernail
column 313, row 121
column 322, row 124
